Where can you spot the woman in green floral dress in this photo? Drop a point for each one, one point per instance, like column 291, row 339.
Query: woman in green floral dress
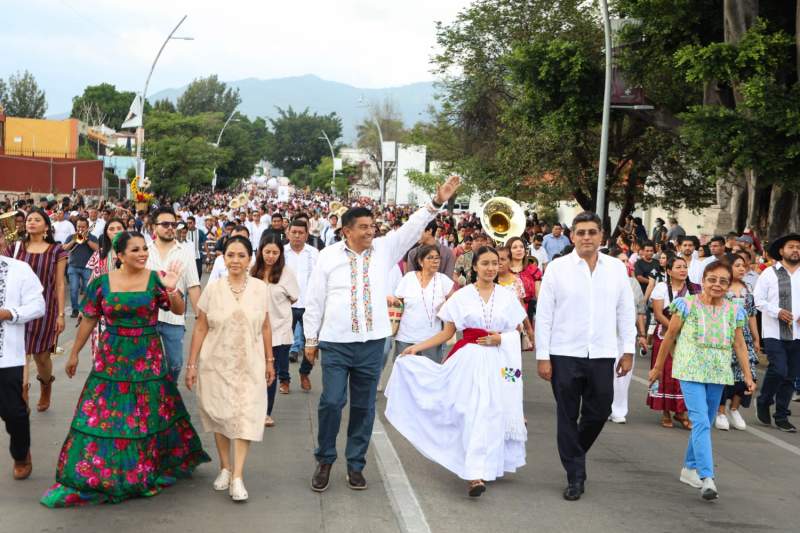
column 702, row 331
column 131, row 435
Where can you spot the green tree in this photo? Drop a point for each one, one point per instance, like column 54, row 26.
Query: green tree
column 23, row 97
column 247, row 141
column 725, row 76
column 3, row 92
column 180, row 155
column 208, row 95
column 294, row 140
column 524, row 112
column 102, row 104
column 165, row 105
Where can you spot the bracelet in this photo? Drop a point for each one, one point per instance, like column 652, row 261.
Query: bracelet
column 269, row 360
column 437, row 205
column 192, row 366
column 61, row 315
column 172, row 290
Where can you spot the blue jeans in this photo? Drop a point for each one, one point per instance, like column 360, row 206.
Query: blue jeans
column 359, row 365
column 783, row 369
column 78, row 280
column 172, row 341
column 702, row 401
column 281, row 355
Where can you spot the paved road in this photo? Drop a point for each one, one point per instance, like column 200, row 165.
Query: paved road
column 632, row 480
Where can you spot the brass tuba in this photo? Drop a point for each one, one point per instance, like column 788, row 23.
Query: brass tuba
column 502, row 218
column 337, row 208
column 9, row 226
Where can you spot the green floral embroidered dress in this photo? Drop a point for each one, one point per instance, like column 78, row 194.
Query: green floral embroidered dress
column 131, row 435
column 703, row 350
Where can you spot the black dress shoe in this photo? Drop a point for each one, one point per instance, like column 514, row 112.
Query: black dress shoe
column 321, row 478
column 785, row 425
column 74, row 313
column 573, row 491
column 762, row 413
column 355, row 480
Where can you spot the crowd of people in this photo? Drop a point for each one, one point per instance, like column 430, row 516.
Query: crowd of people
column 430, row 298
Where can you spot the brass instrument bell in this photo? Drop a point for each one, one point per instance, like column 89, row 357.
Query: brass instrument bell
column 9, row 226
column 502, row 218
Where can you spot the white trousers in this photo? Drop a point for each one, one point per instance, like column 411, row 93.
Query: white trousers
column 619, row 407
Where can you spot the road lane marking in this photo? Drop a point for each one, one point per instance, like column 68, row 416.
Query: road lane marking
column 753, row 431
column 405, row 504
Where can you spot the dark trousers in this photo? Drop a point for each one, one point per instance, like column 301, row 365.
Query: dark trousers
column 584, row 387
column 357, row 364
column 281, row 355
column 199, row 264
column 14, row 412
column 297, row 318
column 783, row 369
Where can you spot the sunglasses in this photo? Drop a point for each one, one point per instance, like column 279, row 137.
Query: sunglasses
column 172, row 225
column 589, row 232
column 722, row 282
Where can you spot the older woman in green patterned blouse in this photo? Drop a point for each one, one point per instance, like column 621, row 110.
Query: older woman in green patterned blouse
column 702, row 330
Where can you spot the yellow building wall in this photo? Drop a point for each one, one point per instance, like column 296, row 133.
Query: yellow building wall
column 43, row 138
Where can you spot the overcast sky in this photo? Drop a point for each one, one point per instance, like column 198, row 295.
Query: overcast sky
column 68, row 44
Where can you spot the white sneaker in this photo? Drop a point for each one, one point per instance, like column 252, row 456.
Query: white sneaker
column 709, row 490
column 721, row 422
column 737, row 421
column 690, row 477
column 237, row 491
column 617, row 419
column 223, row 480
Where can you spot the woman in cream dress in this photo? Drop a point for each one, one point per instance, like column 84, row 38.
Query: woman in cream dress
column 231, row 362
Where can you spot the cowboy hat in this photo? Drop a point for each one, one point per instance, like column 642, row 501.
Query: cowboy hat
column 776, row 245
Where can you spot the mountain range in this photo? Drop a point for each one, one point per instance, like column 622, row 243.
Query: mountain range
column 260, row 98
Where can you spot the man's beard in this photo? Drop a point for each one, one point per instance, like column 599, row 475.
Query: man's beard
column 791, row 262
column 166, row 238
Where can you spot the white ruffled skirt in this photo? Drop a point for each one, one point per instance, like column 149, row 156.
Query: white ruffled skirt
column 465, row 414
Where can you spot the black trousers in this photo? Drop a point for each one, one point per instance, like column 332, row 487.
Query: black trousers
column 582, row 388
column 14, row 412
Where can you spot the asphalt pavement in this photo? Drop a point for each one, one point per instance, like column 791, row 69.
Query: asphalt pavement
column 633, row 478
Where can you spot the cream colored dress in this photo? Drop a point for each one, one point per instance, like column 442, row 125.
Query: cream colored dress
column 231, row 376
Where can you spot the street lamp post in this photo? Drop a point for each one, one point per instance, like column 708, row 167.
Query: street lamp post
column 383, row 162
column 140, row 129
column 601, row 177
column 216, row 145
column 333, row 162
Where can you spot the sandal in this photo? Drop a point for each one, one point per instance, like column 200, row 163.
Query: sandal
column 666, row 421
column 476, row 488
column 683, row 420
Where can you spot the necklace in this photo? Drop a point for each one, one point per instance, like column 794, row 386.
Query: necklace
column 432, row 313
column 241, row 289
column 487, row 318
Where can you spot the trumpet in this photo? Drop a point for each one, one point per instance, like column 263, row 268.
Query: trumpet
column 80, row 238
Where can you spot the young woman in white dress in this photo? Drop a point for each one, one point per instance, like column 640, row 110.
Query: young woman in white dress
column 466, row 414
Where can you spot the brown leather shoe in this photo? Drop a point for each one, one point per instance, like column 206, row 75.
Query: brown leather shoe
column 283, row 388
column 305, row 383
column 44, row 398
column 356, row 480
column 322, row 476
column 23, row 469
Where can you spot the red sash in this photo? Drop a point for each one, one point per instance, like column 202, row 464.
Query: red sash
column 470, row 336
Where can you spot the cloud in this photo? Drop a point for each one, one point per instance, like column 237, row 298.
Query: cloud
column 69, row 44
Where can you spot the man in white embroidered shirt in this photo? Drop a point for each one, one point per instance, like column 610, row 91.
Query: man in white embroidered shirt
column 21, row 301
column 347, row 319
column 585, row 311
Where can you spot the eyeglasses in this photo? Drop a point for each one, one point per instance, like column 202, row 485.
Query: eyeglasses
column 165, row 225
column 589, row 232
column 722, row 282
